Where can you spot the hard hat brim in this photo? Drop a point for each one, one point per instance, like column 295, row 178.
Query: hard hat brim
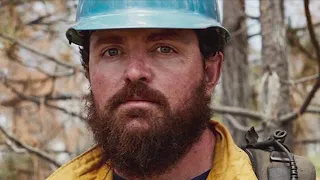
column 127, row 19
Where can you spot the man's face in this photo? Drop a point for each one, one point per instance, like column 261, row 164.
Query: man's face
column 149, row 96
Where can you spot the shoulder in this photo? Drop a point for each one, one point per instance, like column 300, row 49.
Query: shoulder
column 88, row 165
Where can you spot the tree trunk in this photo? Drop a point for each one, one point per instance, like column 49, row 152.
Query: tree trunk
column 275, row 62
column 235, row 86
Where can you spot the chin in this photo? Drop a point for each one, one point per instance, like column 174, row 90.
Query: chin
column 137, row 124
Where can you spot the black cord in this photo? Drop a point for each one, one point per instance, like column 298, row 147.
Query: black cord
column 293, row 165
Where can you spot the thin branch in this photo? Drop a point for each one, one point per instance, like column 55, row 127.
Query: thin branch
column 296, row 42
column 306, row 79
column 12, row 146
column 238, row 31
column 306, row 27
column 305, row 51
column 73, row 114
column 313, row 110
column 38, row 20
column 37, row 101
column 30, row 149
column 236, row 124
column 60, row 97
column 253, row 17
column 14, row 3
column 44, row 72
column 28, row 66
column 312, row 34
column 316, row 85
column 254, row 115
column 239, row 112
column 241, row 127
column 253, row 35
column 31, row 49
column 21, row 95
column 52, row 22
column 308, row 141
column 301, row 80
column 59, row 152
column 25, row 81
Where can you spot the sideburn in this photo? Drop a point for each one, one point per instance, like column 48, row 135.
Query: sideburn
column 143, row 154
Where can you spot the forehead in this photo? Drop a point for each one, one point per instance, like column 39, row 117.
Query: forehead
column 185, row 36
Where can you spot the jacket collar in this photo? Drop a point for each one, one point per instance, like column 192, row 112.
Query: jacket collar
column 229, row 162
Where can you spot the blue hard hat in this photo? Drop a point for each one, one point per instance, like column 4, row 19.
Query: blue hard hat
column 123, row 14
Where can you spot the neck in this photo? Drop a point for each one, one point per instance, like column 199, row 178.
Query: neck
column 196, row 161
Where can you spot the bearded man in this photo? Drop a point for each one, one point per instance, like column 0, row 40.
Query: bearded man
column 152, row 66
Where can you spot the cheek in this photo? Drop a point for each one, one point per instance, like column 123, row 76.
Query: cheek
column 104, row 81
column 182, row 83
column 102, row 88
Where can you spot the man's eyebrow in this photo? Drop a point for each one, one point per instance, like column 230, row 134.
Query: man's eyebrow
column 169, row 35
column 112, row 39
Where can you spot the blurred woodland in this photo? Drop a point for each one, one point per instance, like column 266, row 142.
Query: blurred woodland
column 270, row 80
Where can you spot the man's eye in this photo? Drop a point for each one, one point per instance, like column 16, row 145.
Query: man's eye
column 165, row 49
column 112, row 52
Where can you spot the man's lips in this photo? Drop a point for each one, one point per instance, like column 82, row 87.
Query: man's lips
column 138, row 101
column 144, row 104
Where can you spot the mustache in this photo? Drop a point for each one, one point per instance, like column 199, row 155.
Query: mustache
column 137, row 90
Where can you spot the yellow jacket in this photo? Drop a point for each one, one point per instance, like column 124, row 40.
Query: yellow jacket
column 229, row 162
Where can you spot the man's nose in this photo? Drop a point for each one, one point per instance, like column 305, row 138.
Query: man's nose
column 138, row 70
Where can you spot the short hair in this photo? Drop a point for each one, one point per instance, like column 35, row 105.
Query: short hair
column 211, row 41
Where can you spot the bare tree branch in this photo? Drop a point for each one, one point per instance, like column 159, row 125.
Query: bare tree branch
column 240, row 127
column 30, row 149
column 308, row 141
column 15, row 2
column 31, row 49
column 239, row 112
column 301, row 80
column 306, row 27
column 313, row 109
column 62, row 75
column 37, row 101
column 293, row 29
column 236, row 124
column 59, row 152
column 295, row 41
column 60, row 97
column 253, row 17
column 38, row 20
column 24, row 81
column 304, row 50
column 73, row 114
column 253, row 35
column 254, row 115
column 316, row 85
column 12, row 146
column 306, row 79
column 48, row 97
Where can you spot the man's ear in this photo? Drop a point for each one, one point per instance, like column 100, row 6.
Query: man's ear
column 213, row 67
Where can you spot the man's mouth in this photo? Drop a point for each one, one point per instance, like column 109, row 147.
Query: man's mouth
column 136, row 98
column 138, row 101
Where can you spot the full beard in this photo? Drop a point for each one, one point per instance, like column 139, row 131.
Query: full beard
column 142, row 153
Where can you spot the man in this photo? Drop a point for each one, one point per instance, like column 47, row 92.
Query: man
column 152, row 66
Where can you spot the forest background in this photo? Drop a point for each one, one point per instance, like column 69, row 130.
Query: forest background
column 270, row 80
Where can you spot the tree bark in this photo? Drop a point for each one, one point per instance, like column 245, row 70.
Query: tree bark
column 275, row 62
column 235, row 86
